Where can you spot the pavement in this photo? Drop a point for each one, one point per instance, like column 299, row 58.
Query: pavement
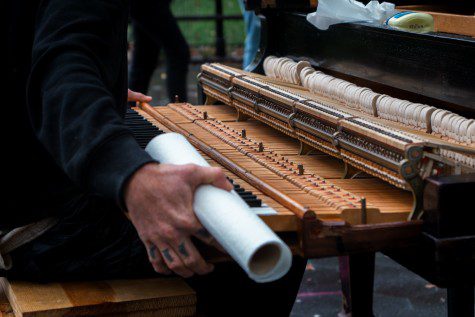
column 397, row 291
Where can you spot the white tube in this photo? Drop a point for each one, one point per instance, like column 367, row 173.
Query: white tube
column 247, row 239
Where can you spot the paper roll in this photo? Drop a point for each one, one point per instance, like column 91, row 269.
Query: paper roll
column 247, row 239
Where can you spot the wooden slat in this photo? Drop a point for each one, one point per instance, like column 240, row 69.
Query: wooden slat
column 137, row 297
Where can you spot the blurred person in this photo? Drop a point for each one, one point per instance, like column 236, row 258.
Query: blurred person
column 252, row 26
column 75, row 170
column 155, row 28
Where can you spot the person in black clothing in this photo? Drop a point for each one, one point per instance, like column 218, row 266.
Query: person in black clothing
column 154, row 28
column 69, row 157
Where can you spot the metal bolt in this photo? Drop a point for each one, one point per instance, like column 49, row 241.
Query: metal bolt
column 301, row 170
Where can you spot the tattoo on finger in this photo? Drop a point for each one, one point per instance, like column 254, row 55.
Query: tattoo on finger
column 166, row 254
column 152, row 251
column 182, row 250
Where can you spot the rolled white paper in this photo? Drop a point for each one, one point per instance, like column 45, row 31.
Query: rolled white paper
column 247, row 239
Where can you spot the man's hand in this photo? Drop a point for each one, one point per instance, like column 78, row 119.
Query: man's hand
column 159, row 198
column 137, row 96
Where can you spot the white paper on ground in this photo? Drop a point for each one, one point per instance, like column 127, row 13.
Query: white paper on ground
column 247, row 239
column 331, row 12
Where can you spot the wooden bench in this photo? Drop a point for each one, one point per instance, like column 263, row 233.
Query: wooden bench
column 138, row 297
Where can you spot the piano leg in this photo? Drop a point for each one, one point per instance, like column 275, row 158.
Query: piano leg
column 460, row 301
column 357, row 278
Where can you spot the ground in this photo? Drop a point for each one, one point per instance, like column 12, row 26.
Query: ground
column 398, row 292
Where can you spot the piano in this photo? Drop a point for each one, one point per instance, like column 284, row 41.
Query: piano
column 330, row 178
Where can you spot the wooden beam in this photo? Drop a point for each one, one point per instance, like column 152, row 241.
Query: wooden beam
column 131, row 297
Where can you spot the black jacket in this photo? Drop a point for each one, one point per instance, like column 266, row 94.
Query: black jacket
column 63, row 135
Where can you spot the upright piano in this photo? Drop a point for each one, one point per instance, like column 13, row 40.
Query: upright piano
column 436, row 69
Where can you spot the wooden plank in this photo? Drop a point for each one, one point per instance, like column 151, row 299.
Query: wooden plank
column 132, row 297
column 447, row 22
column 5, row 307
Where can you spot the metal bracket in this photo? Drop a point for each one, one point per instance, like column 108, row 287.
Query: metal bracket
column 229, row 92
column 209, row 101
column 305, row 149
column 410, row 171
column 290, row 121
column 241, row 116
column 350, row 172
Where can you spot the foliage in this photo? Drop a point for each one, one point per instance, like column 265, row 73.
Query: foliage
column 203, row 33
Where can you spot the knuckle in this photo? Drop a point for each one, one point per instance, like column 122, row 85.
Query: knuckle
column 160, row 270
column 192, row 262
column 168, row 233
column 219, row 171
column 176, row 266
column 190, row 168
column 189, row 224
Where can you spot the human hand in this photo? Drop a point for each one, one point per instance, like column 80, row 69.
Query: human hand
column 159, row 199
column 137, row 96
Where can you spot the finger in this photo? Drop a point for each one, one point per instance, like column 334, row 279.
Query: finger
column 192, row 258
column 137, row 96
column 173, row 261
column 210, row 175
column 203, row 235
column 156, row 260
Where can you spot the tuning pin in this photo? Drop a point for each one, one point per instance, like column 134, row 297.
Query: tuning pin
column 261, row 147
column 243, row 133
column 205, row 115
column 300, row 168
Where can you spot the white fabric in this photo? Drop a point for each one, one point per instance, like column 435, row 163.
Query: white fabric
column 20, row 236
column 331, row 12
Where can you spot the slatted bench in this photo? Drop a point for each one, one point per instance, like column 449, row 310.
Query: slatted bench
column 169, row 297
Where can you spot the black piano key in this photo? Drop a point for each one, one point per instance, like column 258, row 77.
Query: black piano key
column 142, row 130
column 250, row 199
column 254, row 202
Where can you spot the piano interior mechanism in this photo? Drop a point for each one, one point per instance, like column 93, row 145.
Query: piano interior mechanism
column 348, row 141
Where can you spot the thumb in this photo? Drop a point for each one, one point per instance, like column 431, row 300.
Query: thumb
column 211, row 175
column 137, row 96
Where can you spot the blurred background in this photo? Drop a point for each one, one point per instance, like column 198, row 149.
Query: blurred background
column 214, row 31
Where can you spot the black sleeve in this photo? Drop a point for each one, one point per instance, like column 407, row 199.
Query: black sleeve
column 77, row 89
